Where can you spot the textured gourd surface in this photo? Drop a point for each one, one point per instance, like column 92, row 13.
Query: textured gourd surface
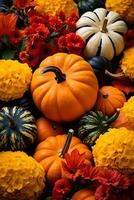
column 127, row 63
column 15, row 78
column 21, row 177
column 124, row 7
column 128, row 109
column 53, row 7
column 115, row 150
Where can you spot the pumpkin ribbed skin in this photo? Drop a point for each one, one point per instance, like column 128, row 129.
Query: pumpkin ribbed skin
column 83, row 194
column 115, row 150
column 21, row 177
column 124, row 7
column 109, row 99
column 68, row 100
column 19, row 132
column 47, row 154
column 103, row 33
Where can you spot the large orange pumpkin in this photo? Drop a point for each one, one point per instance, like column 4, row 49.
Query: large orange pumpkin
column 64, row 87
column 109, row 99
column 47, row 128
column 50, row 154
column 84, row 194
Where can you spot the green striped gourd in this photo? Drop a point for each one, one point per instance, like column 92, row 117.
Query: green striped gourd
column 17, row 128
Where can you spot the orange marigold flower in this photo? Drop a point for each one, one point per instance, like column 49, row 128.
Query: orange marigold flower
column 22, row 4
column 74, row 163
column 7, row 24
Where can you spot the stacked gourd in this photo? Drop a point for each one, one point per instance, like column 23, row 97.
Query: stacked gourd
column 68, row 88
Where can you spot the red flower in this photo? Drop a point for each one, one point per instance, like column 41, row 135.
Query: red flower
column 47, row 50
column 55, row 24
column 42, row 31
column 89, row 172
column 31, row 12
column 33, row 47
column 36, row 19
column 7, row 24
column 62, row 44
column 16, row 37
column 75, row 43
column 103, row 193
column 61, row 188
column 74, row 163
column 71, row 22
column 22, row 4
column 61, row 15
column 113, row 178
column 31, row 60
column 29, row 31
column 129, row 38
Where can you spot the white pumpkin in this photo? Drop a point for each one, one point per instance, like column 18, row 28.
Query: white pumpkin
column 103, row 31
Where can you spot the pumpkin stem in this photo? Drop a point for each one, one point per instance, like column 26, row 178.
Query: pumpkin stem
column 60, row 77
column 12, row 122
column 67, row 143
column 114, row 117
column 104, row 26
column 119, row 75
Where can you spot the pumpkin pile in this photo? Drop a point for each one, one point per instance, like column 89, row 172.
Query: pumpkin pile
column 67, row 115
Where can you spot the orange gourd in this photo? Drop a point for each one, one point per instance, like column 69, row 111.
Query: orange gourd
column 84, row 194
column 50, row 154
column 64, row 87
column 109, row 99
column 47, row 128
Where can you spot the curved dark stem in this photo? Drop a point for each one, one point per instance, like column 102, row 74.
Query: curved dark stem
column 114, row 117
column 60, row 77
column 12, row 122
column 67, row 143
column 119, row 75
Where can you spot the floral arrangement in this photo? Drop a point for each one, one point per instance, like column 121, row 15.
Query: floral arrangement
column 38, row 34
column 28, row 39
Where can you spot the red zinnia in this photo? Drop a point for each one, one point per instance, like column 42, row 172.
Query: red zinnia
column 42, row 31
column 73, row 165
column 71, row 21
column 55, row 24
column 31, row 60
column 47, row 50
column 22, row 4
column 75, row 43
column 15, row 37
column 36, row 19
column 33, row 47
column 61, row 188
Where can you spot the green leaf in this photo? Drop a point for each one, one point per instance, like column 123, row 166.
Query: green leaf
column 22, row 45
column 8, row 54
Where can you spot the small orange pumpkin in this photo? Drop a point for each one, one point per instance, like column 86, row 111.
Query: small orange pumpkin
column 50, row 154
column 47, row 128
column 109, row 99
column 84, row 194
column 68, row 95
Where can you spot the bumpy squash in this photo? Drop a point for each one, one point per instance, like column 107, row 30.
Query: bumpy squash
column 115, row 150
column 68, row 95
column 53, row 7
column 103, row 33
column 15, row 79
column 21, row 177
column 124, row 7
column 17, row 129
column 50, row 154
